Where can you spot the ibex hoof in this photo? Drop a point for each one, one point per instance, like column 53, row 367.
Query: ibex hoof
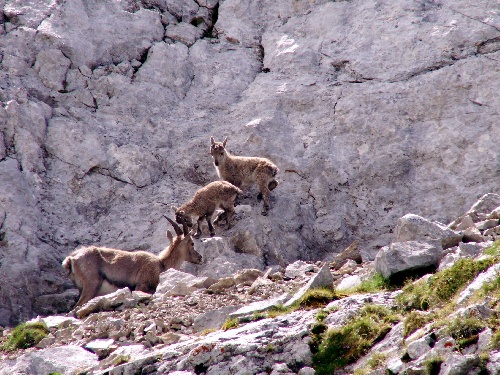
column 212, row 234
column 197, row 235
column 264, row 212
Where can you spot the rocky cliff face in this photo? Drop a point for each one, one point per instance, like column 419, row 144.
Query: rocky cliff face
column 371, row 110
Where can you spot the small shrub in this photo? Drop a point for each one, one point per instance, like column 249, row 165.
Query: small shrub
column 414, row 320
column 345, row 345
column 465, row 331
column 230, row 324
column 25, row 336
column 433, row 365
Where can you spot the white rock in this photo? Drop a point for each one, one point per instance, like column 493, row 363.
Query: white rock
column 349, row 282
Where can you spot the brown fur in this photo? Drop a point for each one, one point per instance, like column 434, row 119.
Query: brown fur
column 99, row 270
column 244, row 171
column 217, row 194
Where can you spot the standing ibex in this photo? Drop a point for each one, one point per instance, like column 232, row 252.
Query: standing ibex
column 243, row 171
column 217, row 194
column 98, row 270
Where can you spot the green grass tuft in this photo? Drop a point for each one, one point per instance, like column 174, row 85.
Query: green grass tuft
column 317, row 298
column 433, row 365
column 377, row 283
column 442, row 286
column 466, row 331
column 493, row 250
column 414, row 320
column 230, row 324
column 25, row 336
column 345, row 345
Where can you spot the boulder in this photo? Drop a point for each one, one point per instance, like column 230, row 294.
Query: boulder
column 172, row 277
column 322, row 278
column 349, row 283
column 457, row 364
column 410, row 255
column 419, row 347
column 416, row 228
column 260, row 306
column 352, row 252
column 62, row 359
column 472, row 249
column 101, row 347
column 485, row 205
column 298, row 268
column 118, row 299
column 213, row 319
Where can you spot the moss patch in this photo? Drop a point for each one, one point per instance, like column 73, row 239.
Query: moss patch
column 25, row 336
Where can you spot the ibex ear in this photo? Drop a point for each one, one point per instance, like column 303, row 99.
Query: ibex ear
column 225, row 141
column 175, row 208
column 170, row 237
column 212, row 141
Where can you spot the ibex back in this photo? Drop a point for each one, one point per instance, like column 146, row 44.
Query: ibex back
column 98, row 270
column 244, row 171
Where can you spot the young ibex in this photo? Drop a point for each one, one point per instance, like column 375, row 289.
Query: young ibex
column 244, row 171
column 217, row 194
column 98, row 270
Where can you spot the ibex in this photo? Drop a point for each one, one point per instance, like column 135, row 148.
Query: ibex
column 217, row 194
column 98, row 270
column 244, row 171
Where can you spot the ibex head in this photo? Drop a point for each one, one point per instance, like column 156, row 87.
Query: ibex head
column 182, row 218
column 184, row 244
column 217, row 150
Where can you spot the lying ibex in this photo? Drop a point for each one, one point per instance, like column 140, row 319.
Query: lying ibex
column 244, row 171
column 217, row 194
column 98, row 270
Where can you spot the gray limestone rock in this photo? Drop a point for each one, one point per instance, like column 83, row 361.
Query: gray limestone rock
column 410, row 255
column 322, row 278
column 457, row 364
column 213, row 319
column 63, row 359
column 358, row 126
column 416, row 228
column 52, row 66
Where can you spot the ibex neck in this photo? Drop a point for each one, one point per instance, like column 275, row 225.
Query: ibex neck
column 167, row 259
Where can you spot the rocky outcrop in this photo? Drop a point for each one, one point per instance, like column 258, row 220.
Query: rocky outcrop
column 107, row 109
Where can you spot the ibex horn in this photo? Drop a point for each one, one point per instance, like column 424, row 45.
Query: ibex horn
column 177, row 229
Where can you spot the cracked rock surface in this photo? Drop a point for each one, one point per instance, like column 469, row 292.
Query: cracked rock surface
column 371, row 110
